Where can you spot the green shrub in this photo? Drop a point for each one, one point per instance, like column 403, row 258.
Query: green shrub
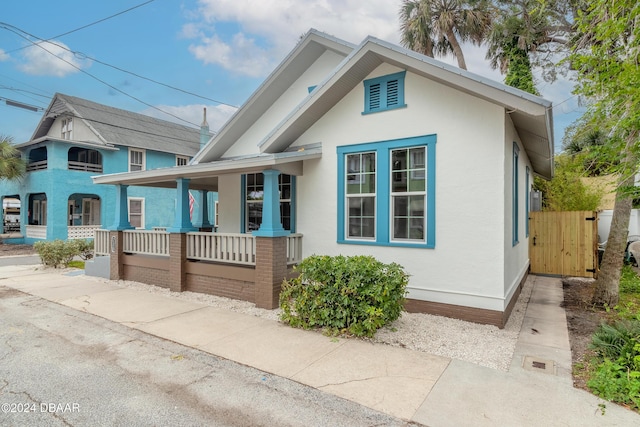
column 59, row 252
column 617, row 340
column 84, row 248
column 355, row 295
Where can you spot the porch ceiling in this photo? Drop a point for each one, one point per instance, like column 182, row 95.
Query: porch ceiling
column 204, row 176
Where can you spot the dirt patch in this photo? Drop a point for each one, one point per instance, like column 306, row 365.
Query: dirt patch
column 582, row 321
column 7, row 249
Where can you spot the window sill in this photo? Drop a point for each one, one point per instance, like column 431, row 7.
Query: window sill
column 380, row 110
column 386, row 244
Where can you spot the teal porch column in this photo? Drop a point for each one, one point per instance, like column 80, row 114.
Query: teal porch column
column 182, row 222
column 201, row 211
column 271, row 223
column 122, row 210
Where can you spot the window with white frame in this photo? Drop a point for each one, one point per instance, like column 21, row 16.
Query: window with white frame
column 67, row 128
column 254, row 194
column 136, row 160
column 514, row 194
column 361, row 195
column 136, row 212
column 215, row 214
column 182, row 160
column 386, row 192
column 408, row 193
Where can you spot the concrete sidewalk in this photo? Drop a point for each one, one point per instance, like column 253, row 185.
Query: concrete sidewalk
column 412, row 385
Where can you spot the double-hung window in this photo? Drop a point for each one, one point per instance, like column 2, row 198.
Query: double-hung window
column 136, row 160
column 386, row 193
column 384, row 93
column 67, row 128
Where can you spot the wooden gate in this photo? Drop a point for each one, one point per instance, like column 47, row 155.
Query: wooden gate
column 564, row 243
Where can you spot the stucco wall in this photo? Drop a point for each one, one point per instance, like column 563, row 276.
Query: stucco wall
column 295, row 93
column 466, row 265
column 516, row 257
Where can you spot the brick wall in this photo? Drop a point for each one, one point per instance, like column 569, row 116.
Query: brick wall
column 222, row 287
column 271, row 269
column 150, row 276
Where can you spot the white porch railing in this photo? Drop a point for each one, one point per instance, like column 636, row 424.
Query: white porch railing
column 36, row 166
column 146, row 242
column 222, row 247
column 81, row 231
column 294, row 248
column 101, row 243
column 36, row 231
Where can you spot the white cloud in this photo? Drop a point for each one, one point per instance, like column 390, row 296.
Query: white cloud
column 49, row 59
column 268, row 29
column 3, row 56
column 217, row 115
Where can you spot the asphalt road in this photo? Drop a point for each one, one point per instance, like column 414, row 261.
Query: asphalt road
column 61, row 367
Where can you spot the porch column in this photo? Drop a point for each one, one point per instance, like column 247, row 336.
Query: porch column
column 271, row 223
column 122, row 211
column 116, row 255
column 271, row 270
column 177, row 262
column 182, row 222
column 202, row 213
column 271, row 246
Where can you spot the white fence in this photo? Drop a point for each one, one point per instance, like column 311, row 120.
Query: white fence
column 36, row 231
column 146, row 242
column 222, row 247
column 101, row 243
column 233, row 248
column 81, row 231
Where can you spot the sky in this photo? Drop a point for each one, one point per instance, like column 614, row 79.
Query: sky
column 171, row 58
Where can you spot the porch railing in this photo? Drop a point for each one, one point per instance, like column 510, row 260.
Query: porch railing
column 101, row 243
column 81, row 231
column 86, row 167
column 222, row 247
column 36, row 166
column 146, row 242
column 36, row 231
column 294, row 248
column 233, row 248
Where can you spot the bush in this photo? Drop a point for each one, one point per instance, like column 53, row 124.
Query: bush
column 60, row 252
column 355, row 295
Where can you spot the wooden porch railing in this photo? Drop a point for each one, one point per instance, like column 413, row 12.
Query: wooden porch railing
column 86, row 167
column 233, row 248
column 222, row 247
column 146, row 242
column 36, row 166
column 81, row 231
column 101, row 243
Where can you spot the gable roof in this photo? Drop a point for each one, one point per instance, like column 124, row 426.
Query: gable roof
column 114, row 126
column 531, row 115
column 306, row 52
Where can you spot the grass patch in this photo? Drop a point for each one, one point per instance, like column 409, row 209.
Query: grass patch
column 77, row 264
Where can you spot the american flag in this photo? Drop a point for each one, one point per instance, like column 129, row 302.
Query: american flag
column 192, row 201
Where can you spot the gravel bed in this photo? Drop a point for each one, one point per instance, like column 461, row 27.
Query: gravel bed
column 483, row 345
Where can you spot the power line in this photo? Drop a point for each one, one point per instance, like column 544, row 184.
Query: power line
column 91, row 24
column 6, row 26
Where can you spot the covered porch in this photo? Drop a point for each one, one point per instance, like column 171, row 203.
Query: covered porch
column 190, row 255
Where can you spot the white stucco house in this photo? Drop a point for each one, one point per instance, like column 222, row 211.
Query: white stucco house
column 375, row 149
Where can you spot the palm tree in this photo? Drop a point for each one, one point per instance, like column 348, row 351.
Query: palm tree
column 11, row 165
column 439, row 26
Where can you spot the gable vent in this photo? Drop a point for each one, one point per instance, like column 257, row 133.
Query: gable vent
column 392, row 93
column 374, row 96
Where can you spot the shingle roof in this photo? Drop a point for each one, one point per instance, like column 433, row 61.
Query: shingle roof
column 121, row 127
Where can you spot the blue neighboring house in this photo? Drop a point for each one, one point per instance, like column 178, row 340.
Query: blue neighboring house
column 77, row 139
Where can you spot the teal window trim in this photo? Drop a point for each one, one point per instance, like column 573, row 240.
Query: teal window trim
column 515, row 201
column 527, row 193
column 383, row 191
column 384, row 93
